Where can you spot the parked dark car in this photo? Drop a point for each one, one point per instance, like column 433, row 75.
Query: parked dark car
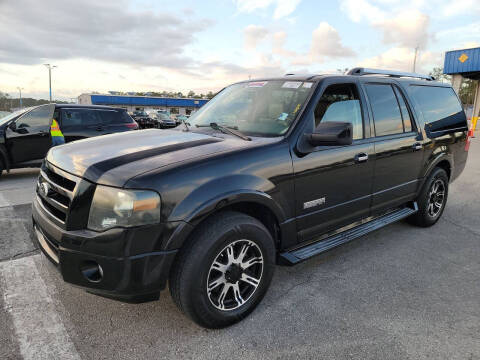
column 144, row 120
column 25, row 135
column 165, row 121
column 271, row 171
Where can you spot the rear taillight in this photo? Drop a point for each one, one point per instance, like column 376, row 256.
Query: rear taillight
column 469, row 139
column 133, row 125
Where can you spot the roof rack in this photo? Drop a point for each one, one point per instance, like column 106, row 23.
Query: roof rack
column 365, row 71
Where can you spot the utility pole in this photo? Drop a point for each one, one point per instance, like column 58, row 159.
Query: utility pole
column 415, row 59
column 50, row 67
column 20, row 90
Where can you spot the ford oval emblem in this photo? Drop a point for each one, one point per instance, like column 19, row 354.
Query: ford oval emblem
column 45, row 188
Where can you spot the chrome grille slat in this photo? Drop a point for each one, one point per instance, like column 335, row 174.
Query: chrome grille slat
column 55, row 192
column 55, row 204
column 58, row 188
column 40, row 201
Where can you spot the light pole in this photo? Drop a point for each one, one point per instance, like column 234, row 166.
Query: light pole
column 50, row 67
column 20, row 90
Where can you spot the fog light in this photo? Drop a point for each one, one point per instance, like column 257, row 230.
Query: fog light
column 92, row 271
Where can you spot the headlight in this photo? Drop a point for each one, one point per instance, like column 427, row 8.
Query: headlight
column 112, row 207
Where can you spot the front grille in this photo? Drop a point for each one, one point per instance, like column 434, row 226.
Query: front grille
column 55, row 191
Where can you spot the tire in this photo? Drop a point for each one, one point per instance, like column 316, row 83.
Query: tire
column 211, row 256
column 431, row 206
column 2, row 167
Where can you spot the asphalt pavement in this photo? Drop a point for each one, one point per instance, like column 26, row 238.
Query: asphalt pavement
column 399, row 293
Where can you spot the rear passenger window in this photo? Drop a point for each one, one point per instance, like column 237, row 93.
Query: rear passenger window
column 340, row 102
column 440, row 107
column 386, row 113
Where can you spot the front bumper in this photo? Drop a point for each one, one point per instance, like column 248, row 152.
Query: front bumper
column 133, row 267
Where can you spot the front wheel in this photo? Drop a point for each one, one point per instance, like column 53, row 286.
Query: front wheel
column 224, row 270
column 432, row 199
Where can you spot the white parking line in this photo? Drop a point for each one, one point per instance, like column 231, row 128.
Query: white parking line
column 39, row 329
column 3, row 201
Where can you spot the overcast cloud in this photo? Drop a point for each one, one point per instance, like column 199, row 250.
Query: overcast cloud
column 101, row 30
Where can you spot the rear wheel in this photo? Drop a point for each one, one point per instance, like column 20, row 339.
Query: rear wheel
column 2, row 167
column 432, row 199
column 224, row 270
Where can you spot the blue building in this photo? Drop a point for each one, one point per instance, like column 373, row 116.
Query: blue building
column 185, row 106
column 464, row 62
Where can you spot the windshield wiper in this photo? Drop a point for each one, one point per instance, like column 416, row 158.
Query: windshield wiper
column 227, row 130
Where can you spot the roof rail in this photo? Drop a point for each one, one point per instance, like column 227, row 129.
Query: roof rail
column 365, row 71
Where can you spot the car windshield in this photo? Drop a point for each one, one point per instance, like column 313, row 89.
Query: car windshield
column 257, row 108
column 13, row 115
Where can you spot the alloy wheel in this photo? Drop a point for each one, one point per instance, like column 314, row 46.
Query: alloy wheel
column 436, row 198
column 235, row 275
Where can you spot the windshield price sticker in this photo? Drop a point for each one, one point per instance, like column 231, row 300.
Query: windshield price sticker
column 257, row 84
column 307, row 85
column 292, row 84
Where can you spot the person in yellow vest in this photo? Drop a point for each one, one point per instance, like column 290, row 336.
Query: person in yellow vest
column 57, row 136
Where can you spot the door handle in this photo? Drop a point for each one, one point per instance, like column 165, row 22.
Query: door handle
column 99, row 128
column 417, row 146
column 362, row 157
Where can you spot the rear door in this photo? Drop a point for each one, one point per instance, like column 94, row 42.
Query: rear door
column 398, row 145
column 30, row 138
column 333, row 184
column 80, row 123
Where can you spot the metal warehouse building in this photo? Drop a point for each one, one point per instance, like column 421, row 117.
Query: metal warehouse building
column 132, row 103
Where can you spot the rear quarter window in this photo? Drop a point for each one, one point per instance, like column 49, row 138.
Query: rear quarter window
column 111, row 117
column 440, row 107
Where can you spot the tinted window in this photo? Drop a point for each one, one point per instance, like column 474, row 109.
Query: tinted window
column 109, row 117
column 340, row 102
column 38, row 118
column 79, row 117
column 440, row 107
column 386, row 113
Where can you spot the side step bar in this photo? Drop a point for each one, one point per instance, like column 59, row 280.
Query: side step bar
column 295, row 256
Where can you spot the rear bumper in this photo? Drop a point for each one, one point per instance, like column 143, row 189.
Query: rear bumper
column 124, row 276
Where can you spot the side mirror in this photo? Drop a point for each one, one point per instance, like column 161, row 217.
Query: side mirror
column 331, row 133
column 12, row 126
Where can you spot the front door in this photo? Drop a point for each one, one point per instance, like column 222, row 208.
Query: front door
column 398, row 146
column 333, row 184
column 28, row 138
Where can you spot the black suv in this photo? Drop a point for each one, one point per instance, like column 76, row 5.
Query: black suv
column 269, row 172
column 25, row 136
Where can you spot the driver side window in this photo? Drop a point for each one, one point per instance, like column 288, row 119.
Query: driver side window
column 37, row 119
column 341, row 102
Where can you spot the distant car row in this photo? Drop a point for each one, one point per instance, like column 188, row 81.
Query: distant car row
column 159, row 119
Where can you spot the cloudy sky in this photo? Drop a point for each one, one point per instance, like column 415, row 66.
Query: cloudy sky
column 154, row 45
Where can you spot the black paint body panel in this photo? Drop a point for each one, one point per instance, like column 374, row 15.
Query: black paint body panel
column 200, row 172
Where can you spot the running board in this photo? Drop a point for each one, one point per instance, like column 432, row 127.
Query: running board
column 295, row 256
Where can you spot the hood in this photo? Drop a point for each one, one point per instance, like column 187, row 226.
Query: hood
column 114, row 159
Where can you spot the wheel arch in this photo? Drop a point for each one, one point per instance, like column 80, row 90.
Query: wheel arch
column 253, row 203
column 443, row 160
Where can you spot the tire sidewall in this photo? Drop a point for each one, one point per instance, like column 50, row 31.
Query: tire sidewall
column 208, row 253
column 423, row 206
